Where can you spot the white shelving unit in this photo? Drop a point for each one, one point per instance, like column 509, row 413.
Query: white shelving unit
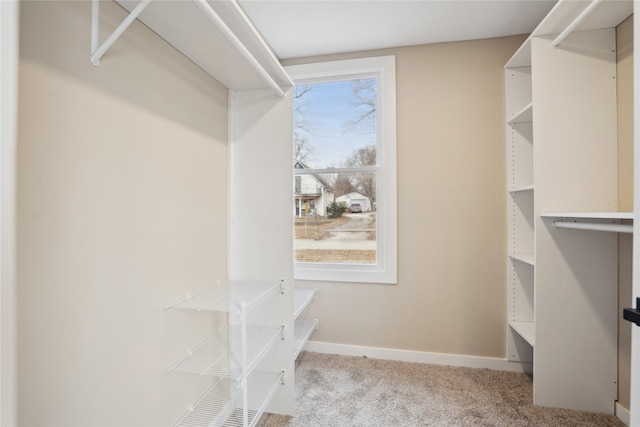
column 561, row 123
column 520, row 213
column 219, row 38
column 233, row 355
column 304, row 328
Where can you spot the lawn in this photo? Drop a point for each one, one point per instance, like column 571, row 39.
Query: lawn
column 318, row 228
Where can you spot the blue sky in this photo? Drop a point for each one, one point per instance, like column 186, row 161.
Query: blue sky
column 327, row 106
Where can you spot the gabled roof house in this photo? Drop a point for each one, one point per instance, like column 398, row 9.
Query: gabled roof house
column 312, row 193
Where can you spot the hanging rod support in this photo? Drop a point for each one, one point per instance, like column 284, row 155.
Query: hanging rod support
column 97, row 52
column 595, row 226
column 578, row 19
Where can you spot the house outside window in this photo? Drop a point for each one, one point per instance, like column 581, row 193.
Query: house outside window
column 344, row 171
column 312, row 194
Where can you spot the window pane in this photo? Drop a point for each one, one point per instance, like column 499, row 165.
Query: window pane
column 335, row 218
column 334, row 120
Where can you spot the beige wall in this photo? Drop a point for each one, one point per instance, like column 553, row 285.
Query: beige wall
column 451, row 291
column 122, row 208
column 624, row 41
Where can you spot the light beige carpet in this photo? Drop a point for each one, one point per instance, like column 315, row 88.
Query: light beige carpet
column 337, row 391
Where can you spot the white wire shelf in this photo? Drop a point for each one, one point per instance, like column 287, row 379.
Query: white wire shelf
column 218, row 407
column 301, row 299
column 221, row 354
column 230, row 296
column 304, row 329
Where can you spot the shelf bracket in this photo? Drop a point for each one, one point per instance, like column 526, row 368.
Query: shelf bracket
column 98, row 52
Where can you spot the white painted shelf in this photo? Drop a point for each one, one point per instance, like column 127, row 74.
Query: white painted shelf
column 526, row 330
column 304, row 329
column 561, row 16
column 219, row 38
column 523, row 189
column 523, row 116
column 527, row 258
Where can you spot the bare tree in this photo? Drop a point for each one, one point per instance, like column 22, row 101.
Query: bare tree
column 363, row 119
column 302, row 149
column 365, row 105
column 342, row 184
column 365, row 182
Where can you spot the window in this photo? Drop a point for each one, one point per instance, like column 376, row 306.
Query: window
column 344, row 171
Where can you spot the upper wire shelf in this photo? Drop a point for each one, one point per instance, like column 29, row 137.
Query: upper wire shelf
column 230, row 296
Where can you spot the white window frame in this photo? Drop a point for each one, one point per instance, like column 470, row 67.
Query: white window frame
column 386, row 268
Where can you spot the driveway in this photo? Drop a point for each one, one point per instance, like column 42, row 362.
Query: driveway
column 352, row 235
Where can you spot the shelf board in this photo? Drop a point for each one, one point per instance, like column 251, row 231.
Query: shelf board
column 607, row 15
column 522, row 189
column 183, row 25
column 526, row 330
column 523, row 116
column 220, row 355
column 304, row 329
column 527, row 258
column 301, row 299
column 218, row 405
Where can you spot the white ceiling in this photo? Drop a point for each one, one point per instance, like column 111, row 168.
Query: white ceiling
column 299, row 28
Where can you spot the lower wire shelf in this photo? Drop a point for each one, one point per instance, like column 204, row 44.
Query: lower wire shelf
column 214, row 357
column 221, row 405
column 304, row 329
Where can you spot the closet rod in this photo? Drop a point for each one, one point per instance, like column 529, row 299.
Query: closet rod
column 261, row 40
column 96, row 54
column 218, row 22
column 615, row 228
column 586, row 12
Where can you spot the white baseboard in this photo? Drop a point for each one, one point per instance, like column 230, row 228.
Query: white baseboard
column 418, row 356
column 623, row 414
